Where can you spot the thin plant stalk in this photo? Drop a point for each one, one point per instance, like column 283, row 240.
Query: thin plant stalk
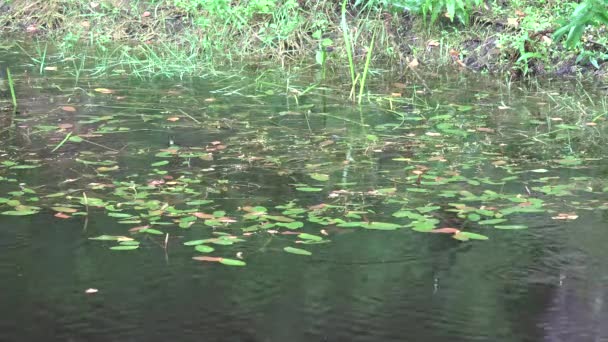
column 11, row 86
column 347, row 43
column 368, row 59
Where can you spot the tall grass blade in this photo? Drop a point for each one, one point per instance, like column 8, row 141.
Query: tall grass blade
column 368, row 59
column 347, row 43
column 11, row 86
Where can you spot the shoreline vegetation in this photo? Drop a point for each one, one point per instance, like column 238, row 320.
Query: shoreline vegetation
column 517, row 39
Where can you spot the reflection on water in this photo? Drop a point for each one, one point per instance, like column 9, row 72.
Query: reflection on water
column 544, row 283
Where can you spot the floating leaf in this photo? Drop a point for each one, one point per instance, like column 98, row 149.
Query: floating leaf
column 65, row 209
column 151, row 231
column 309, row 189
column 512, row 226
column 195, row 242
column 492, row 221
column 207, row 258
column 19, row 212
column 119, row 215
column 446, row 230
column 298, row 251
column 232, row 262
column 306, row 236
column 160, row 163
column 464, row 236
column 111, row 238
column 124, row 248
column 381, row 226
column 319, row 177
column 204, row 248
column 291, row 225
column 199, row 202
column 104, row 90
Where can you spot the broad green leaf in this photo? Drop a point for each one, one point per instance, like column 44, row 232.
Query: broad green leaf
column 195, row 242
column 151, row 231
column 464, row 236
column 160, row 163
column 381, row 226
column 492, row 221
column 306, row 236
column 298, row 251
column 19, row 212
column 290, row 225
column 111, row 238
column 309, row 189
column 319, row 177
column 124, row 248
column 204, row 248
column 232, row 262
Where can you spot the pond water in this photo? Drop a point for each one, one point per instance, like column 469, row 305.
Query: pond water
column 321, row 211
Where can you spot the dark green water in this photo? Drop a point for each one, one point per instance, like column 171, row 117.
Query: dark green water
column 476, row 142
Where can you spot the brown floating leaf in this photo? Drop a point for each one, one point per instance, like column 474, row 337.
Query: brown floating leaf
column 446, row 230
column 68, row 108
column 203, row 215
column 62, row 216
column 565, row 216
column 136, row 229
column 207, row 258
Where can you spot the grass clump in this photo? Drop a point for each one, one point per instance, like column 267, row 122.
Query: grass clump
column 181, row 37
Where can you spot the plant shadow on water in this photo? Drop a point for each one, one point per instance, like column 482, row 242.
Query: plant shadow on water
column 118, row 185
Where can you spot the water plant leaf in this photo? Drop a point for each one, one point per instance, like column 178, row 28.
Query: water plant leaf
column 19, row 212
column 464, row 236
column 309, row 189
column 381, row 226
column 492, row 221
column 446, row 230
column 290, row 225
column 232, row 262
column 65, row 209
column 151, row 231
column 204, row 248
column 195, row 242
column 129, row 243
column 160, row 163
column 298, row 251
column 111, row 238
column 512, row 226
column 319, row 177
column 124, row 248
column 199, row 202
column 207, row 258
column 311, row 237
